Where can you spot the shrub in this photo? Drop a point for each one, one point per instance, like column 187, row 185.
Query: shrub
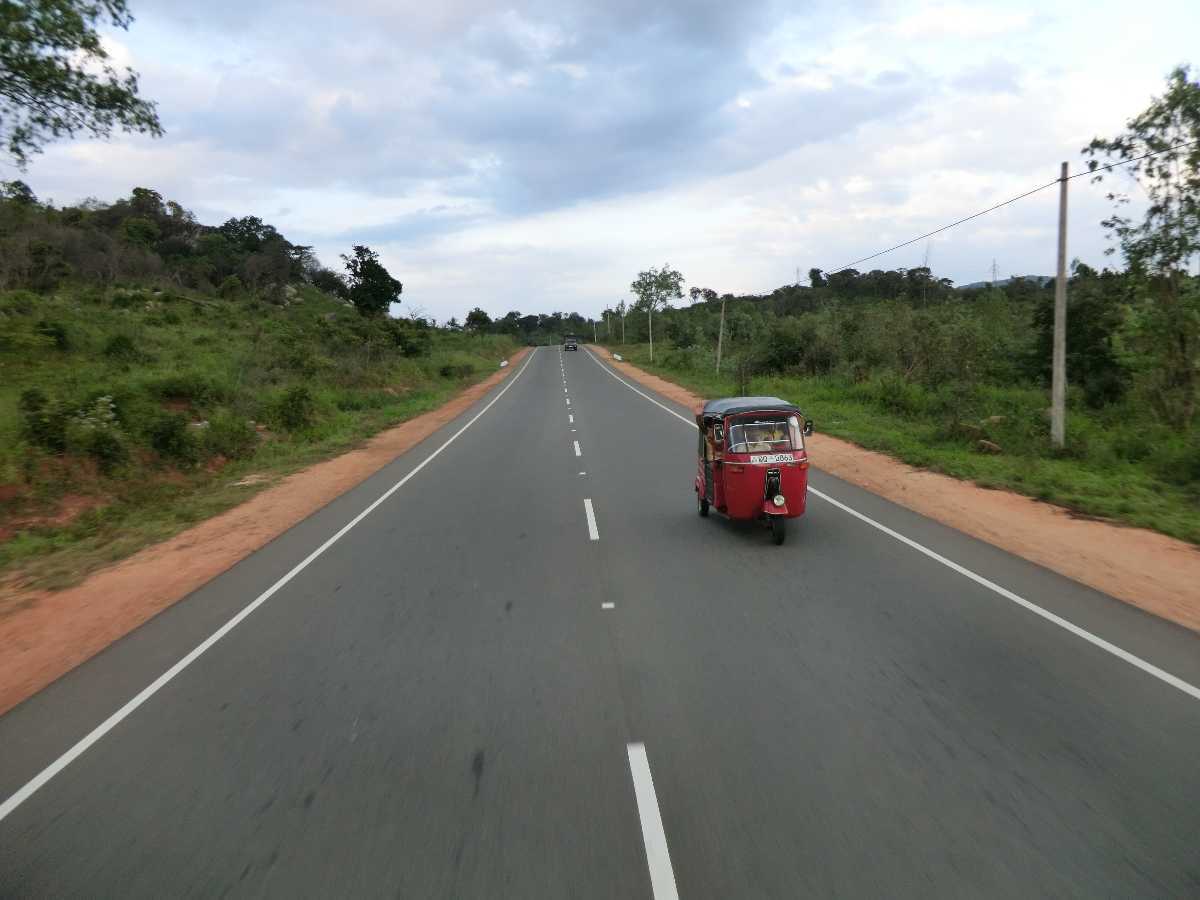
column 121, row 347
column 457, row 370
column 44, row 424
column 296, row 409
column 194, row 387
column 21, row 302
column 169, row 436
column 128, row 299
column 231, row 287
column 107, row 448
column 56, row 333
column 230, row 435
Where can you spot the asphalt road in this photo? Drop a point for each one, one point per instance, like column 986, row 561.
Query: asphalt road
column 479, row 691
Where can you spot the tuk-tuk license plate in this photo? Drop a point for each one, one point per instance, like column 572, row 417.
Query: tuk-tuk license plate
column 771, row 458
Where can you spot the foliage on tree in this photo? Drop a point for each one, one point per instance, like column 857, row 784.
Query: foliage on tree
column 656, row 288
column 477, row 320
column 56, row 79
column 372, row 288
column 1159, row 247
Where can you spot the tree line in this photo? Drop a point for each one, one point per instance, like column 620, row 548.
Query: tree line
column 144, row 238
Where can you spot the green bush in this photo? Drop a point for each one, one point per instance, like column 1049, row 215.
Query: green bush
column 194, row 387
column 56, row 333
column 297, row 409
column 129, row 299
column 457, row 370
column 171, row 439
column 44, row 424
column 231, row 287
column 122, row 348
column 23, row 303
column 230, row 435
column 107, row 448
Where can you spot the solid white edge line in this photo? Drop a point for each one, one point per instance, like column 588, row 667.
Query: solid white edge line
column 1109, row 647
column 81, row 746
column 658, row 857
column 593, row 532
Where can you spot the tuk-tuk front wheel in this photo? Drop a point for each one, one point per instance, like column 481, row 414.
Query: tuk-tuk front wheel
column 778, row 529
column 702, row 505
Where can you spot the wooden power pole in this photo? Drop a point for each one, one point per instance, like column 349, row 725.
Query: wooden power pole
column 1058, row 376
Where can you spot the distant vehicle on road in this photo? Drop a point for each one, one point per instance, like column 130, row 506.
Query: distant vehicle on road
column 752, row 460
column 570, row 342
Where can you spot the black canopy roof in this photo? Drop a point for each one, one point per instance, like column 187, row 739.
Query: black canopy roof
column 730, row 406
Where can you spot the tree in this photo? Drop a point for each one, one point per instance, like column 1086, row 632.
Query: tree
column 55, row 77
column 1159, row 247
column 331, row 283
column 477, row 321
column 372, row 288
column 656, row 288
column 816, row 278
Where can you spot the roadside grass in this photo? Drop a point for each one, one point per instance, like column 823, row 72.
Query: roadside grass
column 201, row 393
column 1118, row 466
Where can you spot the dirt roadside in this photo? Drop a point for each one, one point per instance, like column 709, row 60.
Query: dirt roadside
column 1143, row 568
column 46, row 634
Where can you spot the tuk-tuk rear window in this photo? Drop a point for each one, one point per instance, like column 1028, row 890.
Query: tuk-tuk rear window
column 764, row 433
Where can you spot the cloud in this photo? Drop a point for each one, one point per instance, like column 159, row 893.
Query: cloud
column 537, row 154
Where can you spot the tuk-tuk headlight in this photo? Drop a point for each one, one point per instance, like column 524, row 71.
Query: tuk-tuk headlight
column 778, row 500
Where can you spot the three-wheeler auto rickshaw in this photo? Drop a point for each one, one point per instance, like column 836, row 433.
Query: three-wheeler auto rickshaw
column 752, row 461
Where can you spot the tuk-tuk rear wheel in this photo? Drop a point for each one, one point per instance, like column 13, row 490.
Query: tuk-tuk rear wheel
column 778, row 529
column 702, row 505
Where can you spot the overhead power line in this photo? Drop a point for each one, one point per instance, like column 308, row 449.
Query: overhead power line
column 990, row 209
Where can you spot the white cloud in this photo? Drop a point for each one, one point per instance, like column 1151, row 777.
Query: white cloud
column 535, row 156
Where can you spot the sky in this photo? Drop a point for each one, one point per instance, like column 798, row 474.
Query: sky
column 537, row 156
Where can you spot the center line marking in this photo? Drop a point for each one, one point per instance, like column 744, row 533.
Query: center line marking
column 658, row 858
column 577, row 450
column 606, row 606
column 571, row 416
column 593, row 533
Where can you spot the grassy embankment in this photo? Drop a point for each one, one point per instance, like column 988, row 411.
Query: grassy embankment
column 128, row 415
column 1116, row 465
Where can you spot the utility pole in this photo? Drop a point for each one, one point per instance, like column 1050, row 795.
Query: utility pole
column 650, row 326
column 622, row 329
column 595, row 340
column 720, row 336
column 1058, row 379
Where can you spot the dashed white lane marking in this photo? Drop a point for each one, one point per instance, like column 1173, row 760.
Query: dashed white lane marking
column 81, row 746
column 571, row 416
column 1136, row 661
column 606, row 605
column 578, row 452
column 593, row 532
column 574, row 430
column 568, row 401
column 658, row 858
column 583, row 473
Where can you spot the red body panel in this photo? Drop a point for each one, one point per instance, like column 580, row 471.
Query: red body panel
column 740, row 494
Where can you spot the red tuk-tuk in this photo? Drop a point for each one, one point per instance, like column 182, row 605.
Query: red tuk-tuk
column 752, row 461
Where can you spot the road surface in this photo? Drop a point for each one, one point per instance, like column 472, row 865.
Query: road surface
column 531, row 670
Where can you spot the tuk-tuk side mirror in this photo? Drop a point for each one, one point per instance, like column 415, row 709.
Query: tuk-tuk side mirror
column 718, row 435
column 807, row 427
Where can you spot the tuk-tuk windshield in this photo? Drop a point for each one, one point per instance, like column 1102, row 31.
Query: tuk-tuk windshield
column 765, row 433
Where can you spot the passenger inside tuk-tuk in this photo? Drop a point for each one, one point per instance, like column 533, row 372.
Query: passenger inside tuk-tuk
column 765, row 434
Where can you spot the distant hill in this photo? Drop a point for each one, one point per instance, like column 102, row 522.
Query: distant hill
column 1039, row 280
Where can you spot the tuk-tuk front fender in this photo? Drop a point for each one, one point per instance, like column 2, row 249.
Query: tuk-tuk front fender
column 770, row 509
